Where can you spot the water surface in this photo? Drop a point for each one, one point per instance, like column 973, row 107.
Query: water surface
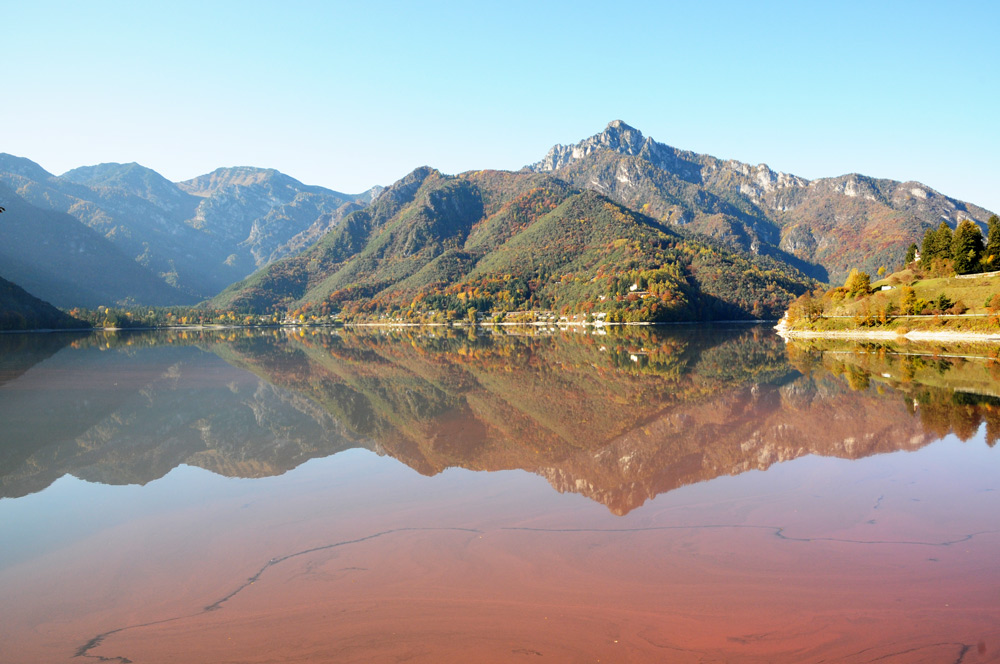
column 694, row 494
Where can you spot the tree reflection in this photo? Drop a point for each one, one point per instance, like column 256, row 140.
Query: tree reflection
column 619, row 415
column 951, row 390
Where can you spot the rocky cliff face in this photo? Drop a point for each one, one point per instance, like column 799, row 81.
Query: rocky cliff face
column 260, row 211
column 617, row 136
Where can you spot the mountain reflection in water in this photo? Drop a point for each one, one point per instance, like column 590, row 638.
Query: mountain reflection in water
column 619, row 417
column 353, row 557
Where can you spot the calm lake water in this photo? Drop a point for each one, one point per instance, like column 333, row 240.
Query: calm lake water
column 685, row 494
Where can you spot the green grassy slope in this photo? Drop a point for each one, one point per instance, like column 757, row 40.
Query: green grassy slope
column 911, row 301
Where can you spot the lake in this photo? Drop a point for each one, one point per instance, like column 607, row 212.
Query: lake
column 681, row 494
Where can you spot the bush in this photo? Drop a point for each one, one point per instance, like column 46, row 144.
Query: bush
column 958, row 308
column 943, row 303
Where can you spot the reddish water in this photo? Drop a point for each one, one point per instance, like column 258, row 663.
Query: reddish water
column 374, row 563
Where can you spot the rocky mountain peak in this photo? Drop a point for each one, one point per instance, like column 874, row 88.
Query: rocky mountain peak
column 114, row 172
column 621, row 137
column 617, row 136
column 373, row 193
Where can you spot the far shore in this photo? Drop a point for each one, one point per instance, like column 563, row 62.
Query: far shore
column 393, row 324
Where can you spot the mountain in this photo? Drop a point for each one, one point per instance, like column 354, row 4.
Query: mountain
column 58, row 259
column 825, row 227
column 496, row 240
column 590, row 228
column 20, row 310
column 266, row 212
column 198, row 236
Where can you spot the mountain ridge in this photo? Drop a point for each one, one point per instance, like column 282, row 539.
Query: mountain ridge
column 832, row 224
column 197, row 236
column 20, row 310
column 208, row 234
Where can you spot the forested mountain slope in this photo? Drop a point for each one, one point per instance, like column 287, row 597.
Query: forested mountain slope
column 500, row 241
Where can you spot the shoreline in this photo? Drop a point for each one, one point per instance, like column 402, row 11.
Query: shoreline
column 913, row 335
column 387, row 324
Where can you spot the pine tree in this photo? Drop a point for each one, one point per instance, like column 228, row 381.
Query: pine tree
column 927, row 247
column 967, row 247
column 936, row 244
column 991, row 254
column 942, row 241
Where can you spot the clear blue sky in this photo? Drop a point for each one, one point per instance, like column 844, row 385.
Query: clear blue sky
column 347, row 95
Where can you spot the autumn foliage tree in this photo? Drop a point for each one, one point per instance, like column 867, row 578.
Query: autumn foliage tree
column 858, row 283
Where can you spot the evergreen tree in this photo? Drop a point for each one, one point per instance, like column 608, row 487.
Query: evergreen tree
column 967, row 247
column 936, row 246
column 942, row 241
column 991, row 254
column 911, row 254
column 927, row 247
